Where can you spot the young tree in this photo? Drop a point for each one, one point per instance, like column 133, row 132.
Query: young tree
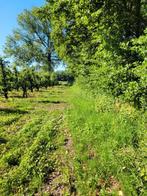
column 3, row 77
column 45, row 79
column 24, row 81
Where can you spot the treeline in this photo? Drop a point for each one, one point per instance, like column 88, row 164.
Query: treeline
column 33, row 57
column 31, row 50
column 28, row 78
column 25, row 79
column 104, row 44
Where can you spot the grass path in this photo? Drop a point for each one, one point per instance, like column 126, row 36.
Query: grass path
column 36, row 145
column 61, row 181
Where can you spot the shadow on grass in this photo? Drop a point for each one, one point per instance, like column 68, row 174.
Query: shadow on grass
column 16, row 96
column 3, row 140
column 49, row 101
column 12, row 111
column 9, row 122
column 21, row 97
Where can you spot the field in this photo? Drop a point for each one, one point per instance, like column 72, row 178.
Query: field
column 62, row 141
column 30, row 135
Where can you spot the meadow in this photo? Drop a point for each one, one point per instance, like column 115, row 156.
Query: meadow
column 110, row 145
column 63, row 141
column 29, row 141
column 73, row 99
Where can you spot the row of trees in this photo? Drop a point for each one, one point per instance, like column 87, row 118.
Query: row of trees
column 31, row 48
column 24, row 78
column 104, row 44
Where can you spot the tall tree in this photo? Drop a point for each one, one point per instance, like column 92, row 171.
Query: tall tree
column 31, row 41
column 95, row 38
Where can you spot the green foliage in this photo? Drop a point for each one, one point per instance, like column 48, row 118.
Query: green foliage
column 103, row 43
column 31, row 42
column 5, row 78
column 24, row 78
column 65, row 76
column 133, row 76
column 109, row 145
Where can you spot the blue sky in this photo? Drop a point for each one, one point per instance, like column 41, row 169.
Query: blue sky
column 9, row 10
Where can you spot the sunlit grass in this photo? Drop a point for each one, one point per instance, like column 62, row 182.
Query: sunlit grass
column 27, row 137
column 108, row 143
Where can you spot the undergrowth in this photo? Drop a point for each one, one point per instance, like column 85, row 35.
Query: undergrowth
column 109, row 140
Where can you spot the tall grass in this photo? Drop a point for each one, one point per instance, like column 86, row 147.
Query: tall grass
column 109, row 145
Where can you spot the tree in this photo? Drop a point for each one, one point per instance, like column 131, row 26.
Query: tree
column 15, row 77
column 4, row 78
column 24, row 81
column 65, row 76
column 90, row 37
column 31, row 42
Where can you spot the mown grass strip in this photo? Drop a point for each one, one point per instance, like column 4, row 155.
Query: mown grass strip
column 35, row 163
column 27, row 157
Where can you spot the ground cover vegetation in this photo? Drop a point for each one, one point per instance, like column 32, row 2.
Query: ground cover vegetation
column 104, row 42
column 88, row 139
column 110, row 145
column 30, row 140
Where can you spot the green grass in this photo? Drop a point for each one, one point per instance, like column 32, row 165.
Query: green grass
column 106, row 156
column 28, row 140
column 109, row 140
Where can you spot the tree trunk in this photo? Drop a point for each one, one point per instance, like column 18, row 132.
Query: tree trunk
column 6, row 94
column 32, row 89
column 25, row 93
column 4, row 79
column 37, row 88
column 24, row 88
column 31, row 85
column 16, row 79
column 49, row 62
